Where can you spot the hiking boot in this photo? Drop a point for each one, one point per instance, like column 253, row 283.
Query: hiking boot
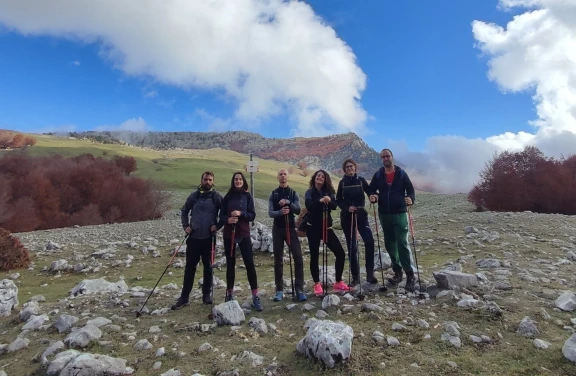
column 229, row 297
column 301, row 297
column 410, row 284
column 279, row 296
column 206, row 298
column 257, row 304
column 355, row 281
column 180, row 303
column 318, row 291
column 370, row 277
column 396, row 279
column 341, row 286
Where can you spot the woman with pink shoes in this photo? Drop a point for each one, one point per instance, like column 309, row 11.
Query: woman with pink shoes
column 320, row 201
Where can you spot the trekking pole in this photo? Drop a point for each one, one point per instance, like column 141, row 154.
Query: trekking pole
column 212, row 256
column 139, row 313
column 383, row 288
column 288, row 241
column 350, row 245
column 324, row 250
column 360, row 296
column 410, row 220
column 232, row 244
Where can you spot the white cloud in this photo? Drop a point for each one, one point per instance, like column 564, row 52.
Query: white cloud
column 270, row 56
column 534, row 53
column 76, row 63
column 146, row 93
column 448, row 164
column 133, row 125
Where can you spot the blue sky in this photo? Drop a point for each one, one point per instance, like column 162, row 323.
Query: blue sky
column 438, row 81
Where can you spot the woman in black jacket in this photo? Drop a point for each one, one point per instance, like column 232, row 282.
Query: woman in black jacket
column 236, row 214
column 354, row 218
column 319, row 199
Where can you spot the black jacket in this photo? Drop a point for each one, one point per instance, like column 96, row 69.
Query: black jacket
column 391, row 198
column 293, row 199
column 243, row 202
column 200, row 212
column 316, row 208
column 350, row 192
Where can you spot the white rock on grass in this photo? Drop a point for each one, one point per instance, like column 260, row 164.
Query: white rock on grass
column 172, row 372
column 18, row 344
column 229, row 313
column 35, row 322
column 569, row 348
column 249, row 357
column 448, row 279
column 566, row 301
column 527, row 328
column 541, row 344
column 53, row 348
column 142, row 344
column 30, row 309
column 98, row 286
column 96, row 365
column 65, row 322
column 82, row 337
column 328, row 341
column 330, row 300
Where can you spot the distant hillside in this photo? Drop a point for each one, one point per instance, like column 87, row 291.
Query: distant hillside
column 317, row 152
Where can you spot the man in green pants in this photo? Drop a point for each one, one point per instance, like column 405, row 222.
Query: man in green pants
column 393, row 190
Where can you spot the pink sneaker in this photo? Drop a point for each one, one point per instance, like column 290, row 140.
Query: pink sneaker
column 341, row 286
column 318, row 289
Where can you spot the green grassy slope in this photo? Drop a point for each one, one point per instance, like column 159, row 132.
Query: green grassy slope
column 179, row 169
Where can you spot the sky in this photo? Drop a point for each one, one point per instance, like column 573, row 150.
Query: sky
column 445, row 84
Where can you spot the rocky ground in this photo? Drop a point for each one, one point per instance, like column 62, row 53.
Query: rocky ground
column 499, row 299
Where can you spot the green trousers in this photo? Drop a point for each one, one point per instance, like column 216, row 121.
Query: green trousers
column 395, row 229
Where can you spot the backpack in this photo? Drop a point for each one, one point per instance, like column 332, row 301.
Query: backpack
column 275, row 193
column 212, row 195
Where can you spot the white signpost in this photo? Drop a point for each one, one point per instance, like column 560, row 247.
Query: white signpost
column 252, row 166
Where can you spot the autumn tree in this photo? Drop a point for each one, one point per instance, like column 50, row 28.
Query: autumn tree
column 526, row 180
column 13, row 255
column 49, row 192
column 126, row 164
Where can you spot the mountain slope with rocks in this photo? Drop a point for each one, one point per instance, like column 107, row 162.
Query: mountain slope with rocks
column 319, row 152
column 499, row 298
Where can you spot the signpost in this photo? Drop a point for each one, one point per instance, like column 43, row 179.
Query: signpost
column 252, row 167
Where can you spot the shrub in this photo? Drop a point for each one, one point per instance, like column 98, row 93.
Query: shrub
column 38, row 193
column 526, row 180
column 13, row 255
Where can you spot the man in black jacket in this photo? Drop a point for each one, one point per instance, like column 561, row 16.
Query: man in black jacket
column 394, row 191
column 350, row 199
column 283, row 204
column 199, row 219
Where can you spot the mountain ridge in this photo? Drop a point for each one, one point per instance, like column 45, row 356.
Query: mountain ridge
column 327, row 152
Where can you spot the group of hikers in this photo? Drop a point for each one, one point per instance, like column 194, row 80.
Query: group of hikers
column 206, row 212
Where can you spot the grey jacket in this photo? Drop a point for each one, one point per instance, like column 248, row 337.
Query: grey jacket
column 200, row 212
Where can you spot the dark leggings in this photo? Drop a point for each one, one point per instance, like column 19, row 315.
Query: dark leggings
column 314, row 235
column 196, row 249
column 245, row 245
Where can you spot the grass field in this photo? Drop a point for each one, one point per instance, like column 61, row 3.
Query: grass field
column 179, row 169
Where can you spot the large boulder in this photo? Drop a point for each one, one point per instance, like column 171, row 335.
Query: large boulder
column 98, row 286
column 228, row 313
column 8, row 297
column 73, row 363
column 449, row 279
column 327, row 341
column 569, row 348
column 566, row 301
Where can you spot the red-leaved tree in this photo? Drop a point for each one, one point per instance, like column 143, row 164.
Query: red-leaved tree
column 48, row 192
column 526, row 180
